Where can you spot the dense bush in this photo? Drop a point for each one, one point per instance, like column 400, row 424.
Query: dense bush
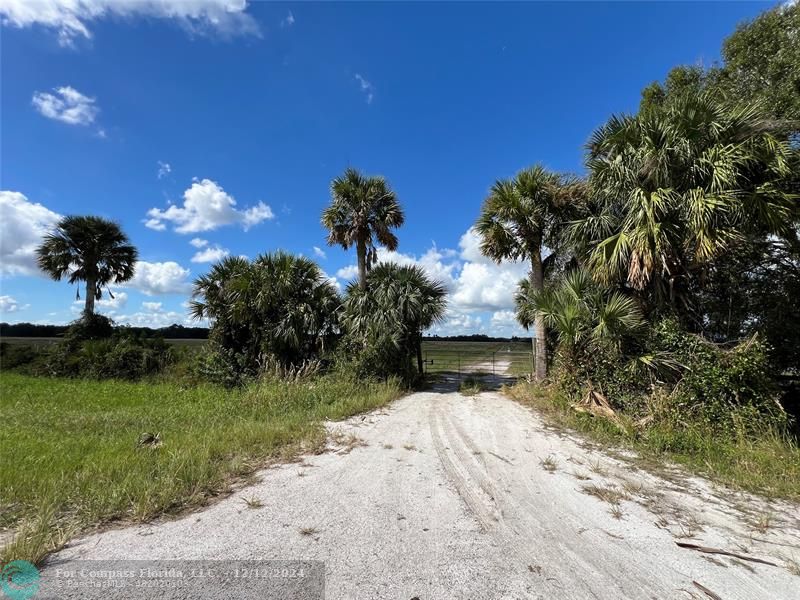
column 670, row 374
column 277, row 307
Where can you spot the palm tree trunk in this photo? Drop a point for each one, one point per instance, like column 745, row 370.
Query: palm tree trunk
column 361, row 253
column 419, row 355
column 91, row 292
column 540, row 340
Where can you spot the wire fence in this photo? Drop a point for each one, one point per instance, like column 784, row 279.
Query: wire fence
column 512, row 358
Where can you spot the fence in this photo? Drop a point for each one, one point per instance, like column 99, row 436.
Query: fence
column 489, row 358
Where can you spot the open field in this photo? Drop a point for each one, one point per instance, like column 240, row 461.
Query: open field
column 510, row 358
column 39, row 341
column 73, row 458
column 445, row 496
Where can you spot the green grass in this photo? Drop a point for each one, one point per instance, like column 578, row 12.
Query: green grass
column 766, row 464
column 72, row 460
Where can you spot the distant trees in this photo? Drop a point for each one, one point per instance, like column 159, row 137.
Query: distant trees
column 519, row 219
column 277, row 307
column 363, row 210
column 89, row 249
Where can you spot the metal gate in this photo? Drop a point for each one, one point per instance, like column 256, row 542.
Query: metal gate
column 514, row 359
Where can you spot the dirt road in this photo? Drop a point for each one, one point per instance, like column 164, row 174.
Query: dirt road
column 446, row 496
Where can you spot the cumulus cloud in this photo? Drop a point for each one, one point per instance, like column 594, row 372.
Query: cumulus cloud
column 153, row 278
column 10, row 305
column 210, row 254
column 71, row 18
column 67, row 105
column 22, row 225
column 206, row 206
column 366, row 87
column 320, row 253
column 164, row 169
column 198, row 242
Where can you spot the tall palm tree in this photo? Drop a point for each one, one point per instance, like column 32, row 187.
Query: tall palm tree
column 676, row 186
column 362, row 210
column 518, row 219
column 402, row 302
column 90, row 249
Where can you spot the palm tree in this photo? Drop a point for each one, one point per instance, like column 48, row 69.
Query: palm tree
column 584, row 316
column 362, row 210
column 518, row 219
column 90, row 249
column 278, row 306
column 675, row 187
column 402, row 302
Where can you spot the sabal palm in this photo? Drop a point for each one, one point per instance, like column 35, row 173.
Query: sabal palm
column 278, row 305
column 402, row 302
column 677, row 185
column 518, row 219
column 89, row 249
column 363, row 211
column 583, row 315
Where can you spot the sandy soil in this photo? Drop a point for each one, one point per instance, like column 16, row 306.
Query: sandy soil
column 446, row 496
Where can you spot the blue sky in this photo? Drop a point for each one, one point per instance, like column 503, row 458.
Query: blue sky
column 160, row 115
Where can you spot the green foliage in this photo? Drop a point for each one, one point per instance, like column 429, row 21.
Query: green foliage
column 674, row 188
column 90, row 326
column 383, row 323
column 278, row 307
column 89, row 249
column 362, row 210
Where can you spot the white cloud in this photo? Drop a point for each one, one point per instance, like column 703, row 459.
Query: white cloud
column 71, row 18
column 67, row 105
column 9, row 305
column 206, row 206
column 164, row 169
column 152, row 306
column 288, row 21
column 366, row 87
column 198, row 242
column 108, row 303
column 349, row 272
column 210, row 254
column 153, row 315
column 22, row 225
column 320, row 253
column 160, row 278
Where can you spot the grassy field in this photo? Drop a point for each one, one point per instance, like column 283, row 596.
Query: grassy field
column 40, row 341
column 767, row 464
column 474, row 356
column 72, row 459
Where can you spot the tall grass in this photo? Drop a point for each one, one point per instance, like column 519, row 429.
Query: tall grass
column 72, row 459
column 766, row 461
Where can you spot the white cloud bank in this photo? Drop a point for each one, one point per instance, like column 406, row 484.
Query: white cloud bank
column 22, row 225
column 206, row 206
column 71, row 18
column 67, row 105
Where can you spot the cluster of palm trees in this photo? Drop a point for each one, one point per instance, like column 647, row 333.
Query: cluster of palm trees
column 670, row 192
